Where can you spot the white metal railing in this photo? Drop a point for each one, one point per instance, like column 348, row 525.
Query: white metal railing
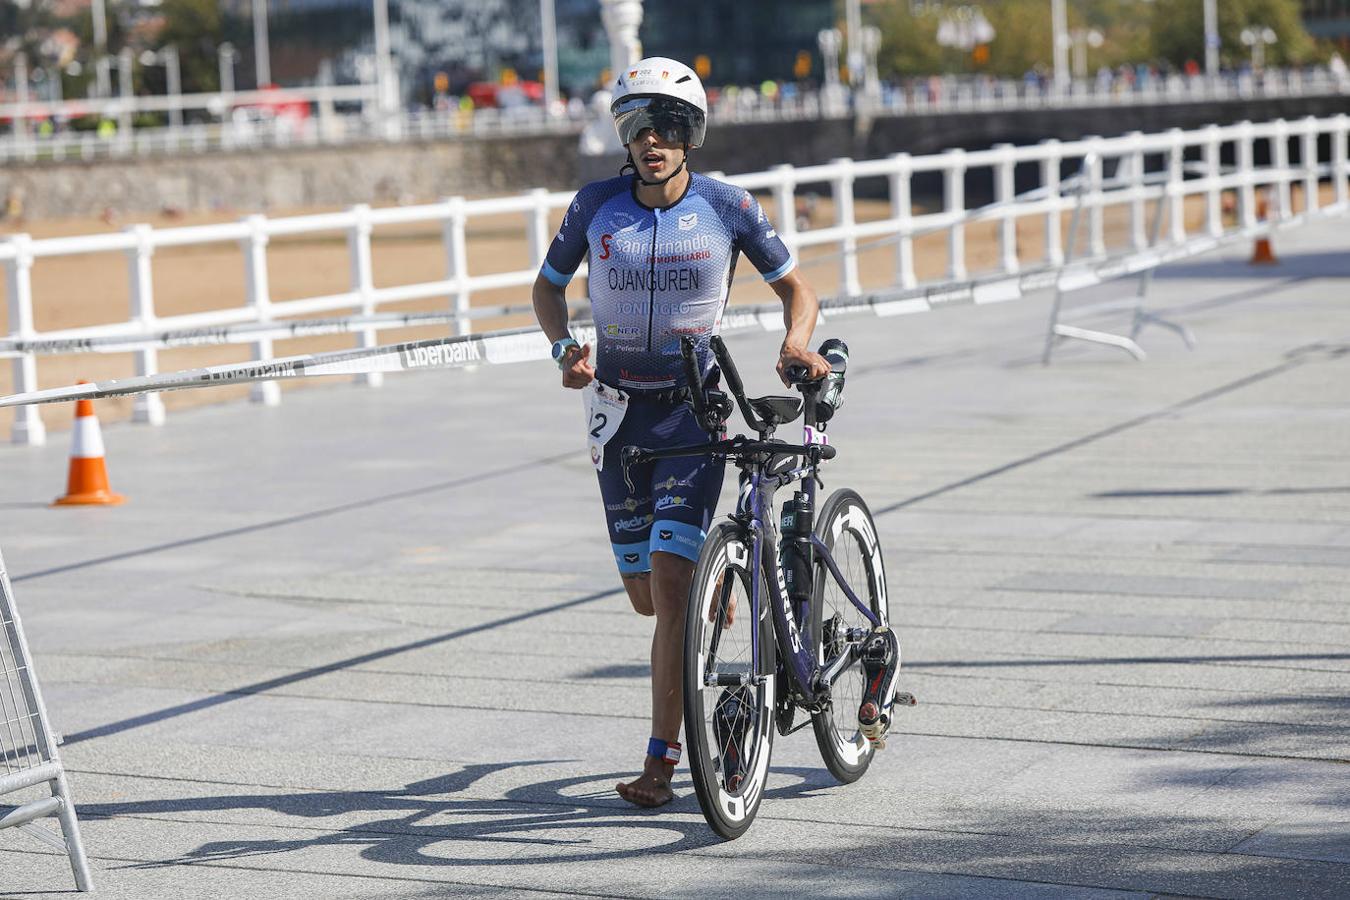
column 936, row 95
column 1127, row 160
column 282, row 131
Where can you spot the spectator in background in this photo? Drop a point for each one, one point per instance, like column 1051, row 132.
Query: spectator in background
column 1339, row 70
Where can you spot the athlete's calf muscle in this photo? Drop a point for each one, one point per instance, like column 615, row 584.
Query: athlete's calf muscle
column 639, row 589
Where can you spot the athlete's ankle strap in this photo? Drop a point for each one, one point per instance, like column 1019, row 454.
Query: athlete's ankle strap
column 668, row 751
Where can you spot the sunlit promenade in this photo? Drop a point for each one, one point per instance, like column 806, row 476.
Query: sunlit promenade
column 368, row 644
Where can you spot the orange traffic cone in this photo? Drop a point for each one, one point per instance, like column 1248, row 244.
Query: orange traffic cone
column 88, row 481
column 1262, row 254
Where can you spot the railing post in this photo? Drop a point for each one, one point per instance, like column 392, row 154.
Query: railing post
column 955, row 206
column 1213, row 175
column 1004, row 196
column 1054, row 239
column 259, row 297
column 363, row 283
column 902, row 210
column 457, row 262
column 785, row 202
column 27, row 427
column 1176, row 183
column 1096, row 210
column 1340, row 157
column 1279, row 159
column 1246, row 156
column 539, row 237
column 1138, row 233
column 147, row 408
column 1309, row 153
column 841, row 187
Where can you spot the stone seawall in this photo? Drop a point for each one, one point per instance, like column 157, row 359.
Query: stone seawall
column 426, row 170
column 291, row 178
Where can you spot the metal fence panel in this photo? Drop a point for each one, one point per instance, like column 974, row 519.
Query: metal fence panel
column 28, row 755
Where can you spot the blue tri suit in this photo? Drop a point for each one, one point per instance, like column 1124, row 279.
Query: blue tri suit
column 657, row 275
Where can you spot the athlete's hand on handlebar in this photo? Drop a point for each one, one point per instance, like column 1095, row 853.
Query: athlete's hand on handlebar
column 800, row 358
column 577, row 371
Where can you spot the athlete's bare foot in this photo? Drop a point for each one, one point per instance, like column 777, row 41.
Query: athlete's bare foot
column 730, row 615
column 652, row 787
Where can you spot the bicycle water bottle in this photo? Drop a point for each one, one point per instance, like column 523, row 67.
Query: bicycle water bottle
column 831, row 397
column 794, row 551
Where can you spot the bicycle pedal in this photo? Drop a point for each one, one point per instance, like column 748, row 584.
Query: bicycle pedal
column 904, row 698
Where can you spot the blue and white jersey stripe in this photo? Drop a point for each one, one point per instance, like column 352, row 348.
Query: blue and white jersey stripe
column 657, row 275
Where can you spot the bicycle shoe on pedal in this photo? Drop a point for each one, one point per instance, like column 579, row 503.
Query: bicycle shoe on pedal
column 881, row 663
column 732, row 718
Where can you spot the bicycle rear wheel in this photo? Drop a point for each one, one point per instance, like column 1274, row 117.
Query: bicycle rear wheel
column 845, row 526
column 729, row 726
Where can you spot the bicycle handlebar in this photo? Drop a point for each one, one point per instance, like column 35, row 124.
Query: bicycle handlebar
column 732, row 447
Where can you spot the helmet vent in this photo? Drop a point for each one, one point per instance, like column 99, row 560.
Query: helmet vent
column 682, row 80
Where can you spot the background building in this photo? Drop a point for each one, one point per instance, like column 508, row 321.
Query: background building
column 1328, row 19
column 470, row 40
column 745, row 42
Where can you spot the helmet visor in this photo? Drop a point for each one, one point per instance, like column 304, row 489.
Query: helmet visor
column 674, row 121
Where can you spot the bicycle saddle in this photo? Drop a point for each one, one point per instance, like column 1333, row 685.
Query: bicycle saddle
column 777, row 410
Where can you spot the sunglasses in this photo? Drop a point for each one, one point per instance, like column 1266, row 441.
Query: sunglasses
column 674, row 121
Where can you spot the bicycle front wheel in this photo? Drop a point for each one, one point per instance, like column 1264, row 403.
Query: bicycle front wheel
column 845, row 526
column 728, row 700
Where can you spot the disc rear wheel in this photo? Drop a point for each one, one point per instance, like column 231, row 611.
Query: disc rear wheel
column 845, row 526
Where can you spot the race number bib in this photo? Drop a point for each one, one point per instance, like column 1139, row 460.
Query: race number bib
column 605, row 409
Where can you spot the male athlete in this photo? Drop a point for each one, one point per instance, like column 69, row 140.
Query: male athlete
column 662, row 245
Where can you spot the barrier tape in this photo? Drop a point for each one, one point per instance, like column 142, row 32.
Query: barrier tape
column 527, row 344
column 251, row 331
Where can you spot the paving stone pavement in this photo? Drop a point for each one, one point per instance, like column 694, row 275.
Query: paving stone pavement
column 370, row 643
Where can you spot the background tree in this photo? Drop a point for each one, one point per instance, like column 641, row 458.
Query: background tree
column 1023, row 39
column 908, row 41
column 196, row 29
column 1179, row 29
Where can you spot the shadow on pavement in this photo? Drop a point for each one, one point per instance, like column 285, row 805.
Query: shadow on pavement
column 1221, row 492
column 1305, row 265
column 563, row 820
column 1128, row 660
column 259, row 687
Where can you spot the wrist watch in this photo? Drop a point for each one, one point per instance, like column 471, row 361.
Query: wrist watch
column 560, row 349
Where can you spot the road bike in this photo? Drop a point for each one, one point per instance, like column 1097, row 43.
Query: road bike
column 781, row 624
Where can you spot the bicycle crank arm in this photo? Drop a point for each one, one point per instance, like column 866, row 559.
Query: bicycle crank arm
column 829, row 675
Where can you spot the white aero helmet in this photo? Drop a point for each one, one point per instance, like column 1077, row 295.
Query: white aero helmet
column 664, row 95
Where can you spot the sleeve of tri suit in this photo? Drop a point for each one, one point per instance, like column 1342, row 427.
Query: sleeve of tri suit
column 569, row 244
column 757, row 239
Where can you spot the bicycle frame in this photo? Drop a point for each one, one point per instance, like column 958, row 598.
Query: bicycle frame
column 812, row 682
column 754, row 514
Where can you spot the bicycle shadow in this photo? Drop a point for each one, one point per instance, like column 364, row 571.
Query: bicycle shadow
column 429, row 823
